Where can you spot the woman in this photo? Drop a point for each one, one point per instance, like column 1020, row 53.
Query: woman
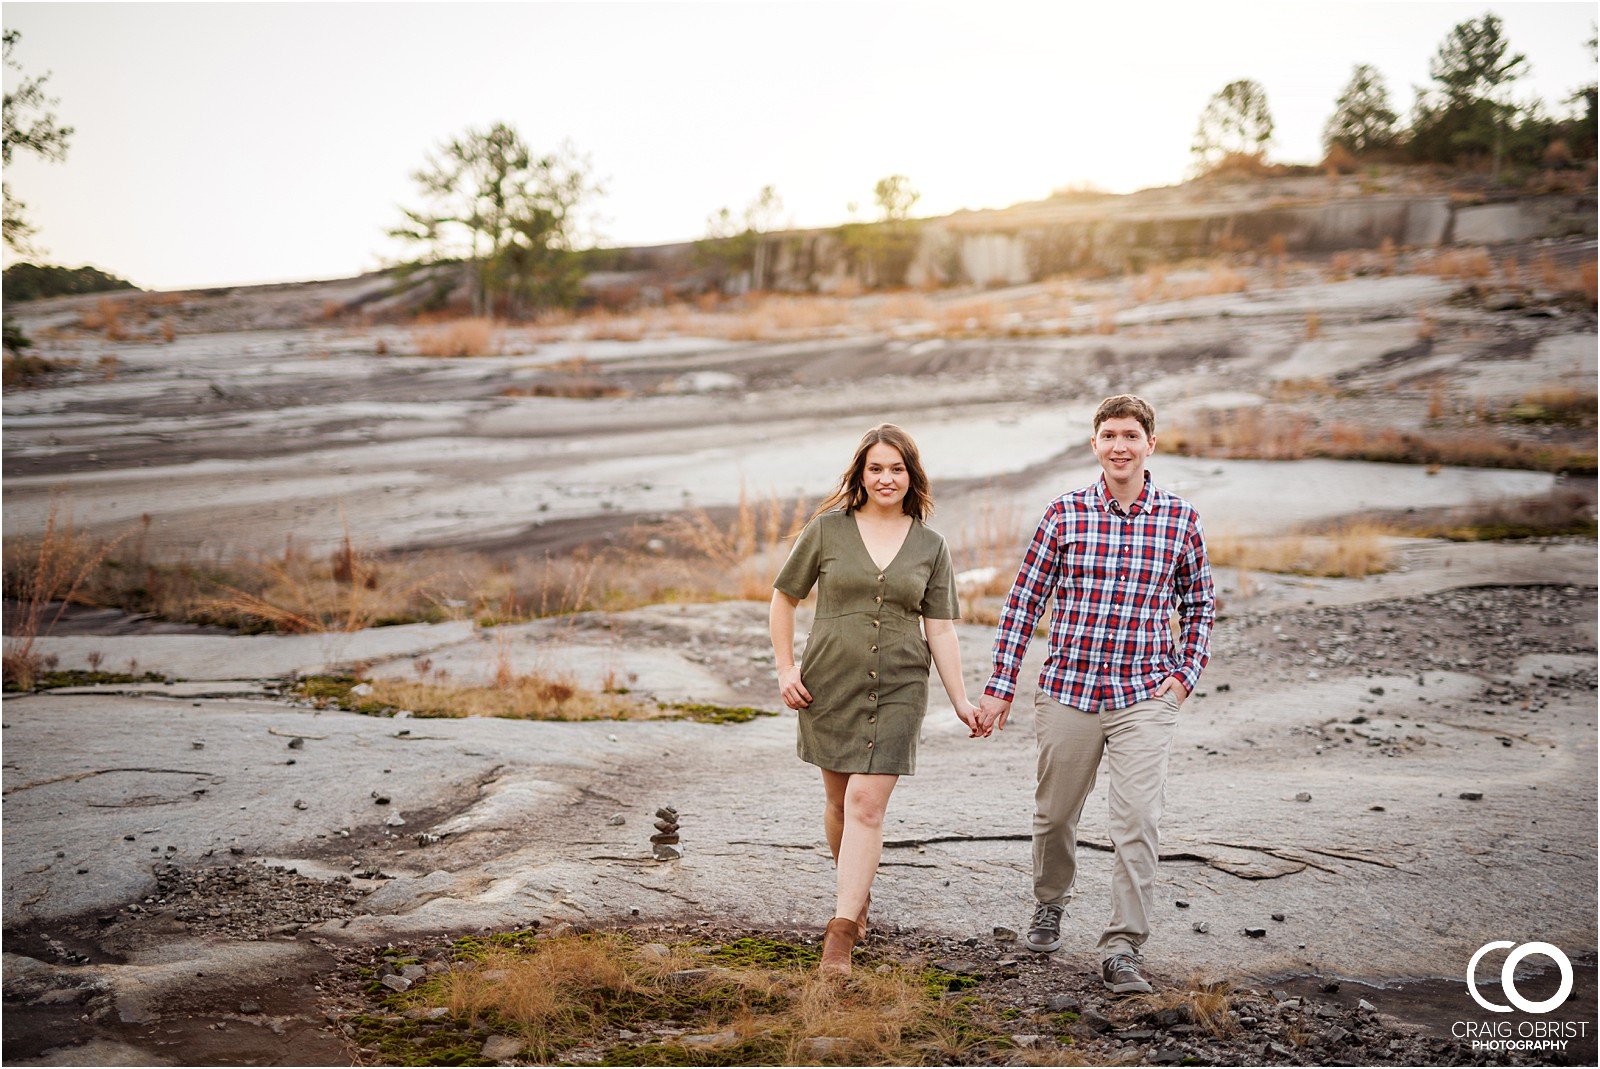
column 862, row 689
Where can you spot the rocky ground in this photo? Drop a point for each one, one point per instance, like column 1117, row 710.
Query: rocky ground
column 1376, row 775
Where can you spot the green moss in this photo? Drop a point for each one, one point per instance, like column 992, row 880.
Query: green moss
column 400, row 1041
column 702, row 713
column 763, row 1051
column 1010, row 1013
column 473, row 947
column 937, row 981
column 79, row 678
column 334, row 690
column 752, row 952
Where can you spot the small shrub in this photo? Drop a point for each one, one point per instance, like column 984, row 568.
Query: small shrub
column 461, row 338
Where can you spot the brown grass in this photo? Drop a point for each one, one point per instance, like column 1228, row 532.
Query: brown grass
column 461, row 338
column 517, row 696
column 743, row 547
column 1466, row 264
column 1350, row 553
column 106, row 316
column 1565, row 406
column 1206, row 1003
column 44, row 576
column 970, row 317
column 565, row 990
column 1560, row 513
column 1256, row 434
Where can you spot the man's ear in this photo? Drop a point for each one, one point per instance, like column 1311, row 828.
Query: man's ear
column 1152, row 445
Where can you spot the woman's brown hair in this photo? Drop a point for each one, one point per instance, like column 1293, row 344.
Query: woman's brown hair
column 851, row 493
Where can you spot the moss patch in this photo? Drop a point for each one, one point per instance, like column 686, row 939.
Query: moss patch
column 77, row 678
column 716, row 714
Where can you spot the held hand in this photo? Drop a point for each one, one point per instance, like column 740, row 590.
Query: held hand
column 791, row 690
column 994, row 713
column 971, row 717
column 1175, row 685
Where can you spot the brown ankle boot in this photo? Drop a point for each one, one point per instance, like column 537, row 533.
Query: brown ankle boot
column 837, row 943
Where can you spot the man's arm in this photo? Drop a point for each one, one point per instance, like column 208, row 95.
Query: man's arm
column 1031, row 591
column 1197, row 608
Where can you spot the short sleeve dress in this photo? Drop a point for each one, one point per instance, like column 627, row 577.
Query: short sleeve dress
column 866, row 661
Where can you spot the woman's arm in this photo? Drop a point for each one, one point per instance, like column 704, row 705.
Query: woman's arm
column 781, row 622
column 946, row 650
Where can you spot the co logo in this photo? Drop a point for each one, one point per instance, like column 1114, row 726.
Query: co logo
column 1508, row 977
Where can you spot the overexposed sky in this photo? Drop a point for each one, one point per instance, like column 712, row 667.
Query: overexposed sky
column 231, row 143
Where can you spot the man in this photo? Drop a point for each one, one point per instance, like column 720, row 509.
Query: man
column 1118, row 555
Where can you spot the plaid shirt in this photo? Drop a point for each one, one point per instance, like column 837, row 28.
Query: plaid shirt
column 1116, row 577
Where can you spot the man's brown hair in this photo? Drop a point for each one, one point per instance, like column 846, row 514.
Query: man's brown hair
column 1126, row 405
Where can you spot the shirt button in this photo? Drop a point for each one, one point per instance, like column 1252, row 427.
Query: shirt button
column 874, row 649
column 878, row 598
column 872, row 696
column 869, row 745
column 880, row 578
column 872, row 675
column 872, row 720
column 875, row 623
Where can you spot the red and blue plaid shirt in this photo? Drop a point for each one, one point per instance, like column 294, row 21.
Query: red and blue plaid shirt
column 1116, row 577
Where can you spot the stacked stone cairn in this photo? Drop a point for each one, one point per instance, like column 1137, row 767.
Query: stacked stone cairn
column 664, row 843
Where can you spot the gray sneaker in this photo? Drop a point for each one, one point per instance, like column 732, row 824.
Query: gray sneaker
column 1044, row 932
column 1122, row 975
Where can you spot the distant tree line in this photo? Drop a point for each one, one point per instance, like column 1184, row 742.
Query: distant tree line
column 30, row 282
column 1466, row 115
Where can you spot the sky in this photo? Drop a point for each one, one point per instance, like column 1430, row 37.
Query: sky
column 222, row 144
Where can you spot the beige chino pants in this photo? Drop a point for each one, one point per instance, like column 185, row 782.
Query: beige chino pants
column 1135, row 741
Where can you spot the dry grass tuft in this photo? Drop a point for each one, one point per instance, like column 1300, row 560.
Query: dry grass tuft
column 106, row 316
column 51, row 570
column 1256, row 434
column 741, row 548
column 970, row 317
column 461, row 338
column 1560, row 513
column 557, row 992
column 516, row 696
column 1565, row 406
column 1466, row 264
column 1205, row 1003
column 1351, row 553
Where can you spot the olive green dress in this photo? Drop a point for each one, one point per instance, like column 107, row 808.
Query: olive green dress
column 866, row 661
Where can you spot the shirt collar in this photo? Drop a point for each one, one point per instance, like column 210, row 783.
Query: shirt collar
column 1149, row 498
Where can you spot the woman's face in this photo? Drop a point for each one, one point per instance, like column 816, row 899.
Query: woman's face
column 884, row 475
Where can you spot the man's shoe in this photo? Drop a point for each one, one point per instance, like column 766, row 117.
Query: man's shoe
column 1044, row 932
column 1122, row 975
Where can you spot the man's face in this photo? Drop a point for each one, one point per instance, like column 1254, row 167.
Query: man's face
column 1121, row 446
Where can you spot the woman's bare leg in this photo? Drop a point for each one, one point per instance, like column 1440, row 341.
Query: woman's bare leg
column 865, row 800
column 834, row 783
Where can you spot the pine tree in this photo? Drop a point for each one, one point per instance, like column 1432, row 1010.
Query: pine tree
column 1362, row 120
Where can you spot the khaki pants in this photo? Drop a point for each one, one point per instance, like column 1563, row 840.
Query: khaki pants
column 1135, row 741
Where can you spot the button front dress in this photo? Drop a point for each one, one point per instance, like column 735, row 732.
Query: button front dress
column 866, row 661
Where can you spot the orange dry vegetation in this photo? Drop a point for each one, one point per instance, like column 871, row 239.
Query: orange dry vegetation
column 460, row 338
